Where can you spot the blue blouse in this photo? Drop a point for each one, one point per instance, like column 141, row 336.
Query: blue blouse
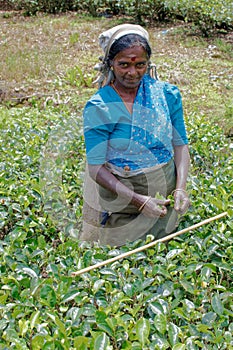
column 142, row 139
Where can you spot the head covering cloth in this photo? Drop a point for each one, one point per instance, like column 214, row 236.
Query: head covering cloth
column 106, row 39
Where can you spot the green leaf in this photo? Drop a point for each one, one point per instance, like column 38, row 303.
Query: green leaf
column 34, row 319
column 37, row 342
column 102, row 323
column 89, row 310
column 163, row 272
column 97, row 285
column 160, row 342
column 181, row 313
column 187, row 286
column 173, row 333
column 209, row 318
column 29, row 272
column 23, row 327
column 206, row 273
column 61, row 326
column 70, row 296
column 129, row 289
column 173, row 253
column 203, row 328
column 108, row 271
column 189, row 305
column 48, row 295
column 41, row 242
column 160, row 322
column 3, row 324
column 112, row 275
column 101, row 342
column 81, row 343
column 165, row 289
column 143, row 330
column 179, row 346
column 87, row 258
column 10, row 335
column 228, row 337
column 156, row 308
column 217, row 304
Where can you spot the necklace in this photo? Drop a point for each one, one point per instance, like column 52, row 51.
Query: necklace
column 128, row 105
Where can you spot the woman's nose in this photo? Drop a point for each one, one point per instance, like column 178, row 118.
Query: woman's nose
column 131, row 70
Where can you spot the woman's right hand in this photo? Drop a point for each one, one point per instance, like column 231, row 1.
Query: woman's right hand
column 155, row 207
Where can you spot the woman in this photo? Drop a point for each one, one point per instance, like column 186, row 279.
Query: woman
column 136, row 145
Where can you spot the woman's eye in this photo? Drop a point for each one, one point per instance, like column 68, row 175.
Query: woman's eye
column 141, row 65
column 124, row 65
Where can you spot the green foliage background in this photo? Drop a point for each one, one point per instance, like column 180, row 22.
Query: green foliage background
column 206, row 14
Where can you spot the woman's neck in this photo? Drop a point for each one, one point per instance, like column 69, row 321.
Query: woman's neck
column 127, row 95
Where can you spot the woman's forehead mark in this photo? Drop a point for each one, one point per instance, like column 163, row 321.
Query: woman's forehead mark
column 133, row 59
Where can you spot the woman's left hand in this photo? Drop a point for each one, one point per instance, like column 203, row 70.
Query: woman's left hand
column 181, row 201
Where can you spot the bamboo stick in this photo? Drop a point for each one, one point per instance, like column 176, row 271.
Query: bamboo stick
column 146, row 246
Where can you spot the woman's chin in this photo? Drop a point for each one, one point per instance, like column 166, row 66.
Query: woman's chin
column 131, row 83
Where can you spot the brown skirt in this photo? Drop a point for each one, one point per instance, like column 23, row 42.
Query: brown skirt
column 125, row 223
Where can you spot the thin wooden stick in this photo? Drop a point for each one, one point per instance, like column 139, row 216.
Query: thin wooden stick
column 149, row 245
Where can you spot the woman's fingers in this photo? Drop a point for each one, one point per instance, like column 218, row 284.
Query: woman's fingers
column 156, row 207
column 163, row 211
column 181, row 203
column 184, row 206
column 162, row 201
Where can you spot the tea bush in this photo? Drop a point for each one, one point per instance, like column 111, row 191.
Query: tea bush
column 31, row 7
column 205, row 14
column 168, row 297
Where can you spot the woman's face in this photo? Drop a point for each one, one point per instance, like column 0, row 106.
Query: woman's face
column 129, row 66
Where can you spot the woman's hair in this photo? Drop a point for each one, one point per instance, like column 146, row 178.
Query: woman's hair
column 125, row 42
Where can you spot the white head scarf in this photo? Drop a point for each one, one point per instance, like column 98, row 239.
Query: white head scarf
column 106, row 39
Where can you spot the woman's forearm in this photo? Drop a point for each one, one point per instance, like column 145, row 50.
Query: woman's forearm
column 106, row 179
column 182, row 162
column 152, row 207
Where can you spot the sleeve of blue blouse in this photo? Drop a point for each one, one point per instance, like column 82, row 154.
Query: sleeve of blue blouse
column 97, row 127
column 175, row 107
